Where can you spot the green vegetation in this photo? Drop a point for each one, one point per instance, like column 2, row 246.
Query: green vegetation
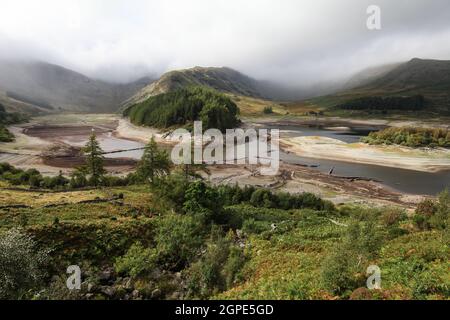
column 184, row 106
column 410, row 137
column 384, row 103
column 5, row 135
column 94, row 160
column 268, row 110
column 7, row 118
column 21, row 264
column 412, row 90
column 204, row 241
column 154, row 163
column 162, row 234
column 433, row 214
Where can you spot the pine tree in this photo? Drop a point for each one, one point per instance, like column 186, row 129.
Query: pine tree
column 154, row 162
column 94, row 160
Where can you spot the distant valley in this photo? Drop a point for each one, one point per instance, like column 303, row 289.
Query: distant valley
column 38, row 87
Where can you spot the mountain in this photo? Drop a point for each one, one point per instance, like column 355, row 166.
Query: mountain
column 45, row 87
column 410, row 81
column 222, row 79
column 368, row 75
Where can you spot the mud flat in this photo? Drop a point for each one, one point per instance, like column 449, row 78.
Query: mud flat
column 425, row 160
column 51, row 144
column 297, row 179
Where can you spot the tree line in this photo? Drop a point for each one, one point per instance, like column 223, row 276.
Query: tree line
column 411, row 103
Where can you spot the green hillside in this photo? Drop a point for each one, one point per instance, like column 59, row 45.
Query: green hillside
column 398, row 91
column 7, row 118
column 183, row 106
column 199, row 241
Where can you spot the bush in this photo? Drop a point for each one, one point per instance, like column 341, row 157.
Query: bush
column 137, row 261
column 433, row 214
column 178, row 240
column 21, row 264
column 340, row 272
column 268, row 110
column 217, row 269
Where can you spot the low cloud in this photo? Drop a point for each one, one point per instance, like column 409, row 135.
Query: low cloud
column 290, row 41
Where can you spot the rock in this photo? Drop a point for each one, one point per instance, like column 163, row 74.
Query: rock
column 156, row 273
column 89, row 295
column 135, row 294
column 108, row 291
column 156, row 294
column 105, row 275
column 178, row 275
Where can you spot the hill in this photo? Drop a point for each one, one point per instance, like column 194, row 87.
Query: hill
column 222, row 79
column 37, row 87
column 411, row 81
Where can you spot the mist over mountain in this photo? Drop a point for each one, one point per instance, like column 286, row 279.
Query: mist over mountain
column 50, row 88
column 426, row 78
column 231, row 81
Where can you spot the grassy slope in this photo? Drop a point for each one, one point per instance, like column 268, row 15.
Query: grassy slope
column 283, row 264
column 254, row 107
column 429, row 78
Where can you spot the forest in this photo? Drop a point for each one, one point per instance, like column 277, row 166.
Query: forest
column 182, row 107
column 416, row 102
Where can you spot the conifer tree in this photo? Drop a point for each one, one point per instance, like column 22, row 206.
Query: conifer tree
column 94, row 160
column 154, row 162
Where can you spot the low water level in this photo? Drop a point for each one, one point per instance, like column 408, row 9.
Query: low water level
column 408, row 181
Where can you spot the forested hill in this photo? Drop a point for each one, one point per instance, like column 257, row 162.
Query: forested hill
column 222, row 79
column 183, row 106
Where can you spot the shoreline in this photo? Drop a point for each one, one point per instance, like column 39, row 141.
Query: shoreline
column 291, row 178
column 432, row 161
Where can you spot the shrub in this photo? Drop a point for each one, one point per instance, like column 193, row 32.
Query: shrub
column 433, row 214
column 178, row 240
column 21, row 264
column 268, row 110
column 217, row 269
column 137, row 261
column 339, row 272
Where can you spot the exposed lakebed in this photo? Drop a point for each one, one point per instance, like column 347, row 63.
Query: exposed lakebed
column 408, row 181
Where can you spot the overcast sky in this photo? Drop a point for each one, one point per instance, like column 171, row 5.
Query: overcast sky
column 293, row 41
